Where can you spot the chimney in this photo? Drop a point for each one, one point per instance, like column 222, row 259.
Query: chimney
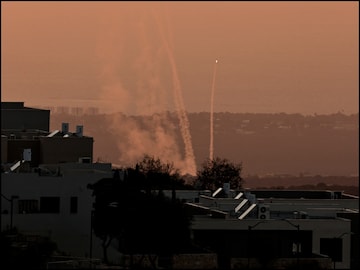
column 79, row 131
column 27, row 154
column 226, row 188
column 65, row 128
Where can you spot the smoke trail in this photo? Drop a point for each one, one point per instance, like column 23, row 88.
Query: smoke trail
column 211, row 154
column 180, row 107
column 143, row 92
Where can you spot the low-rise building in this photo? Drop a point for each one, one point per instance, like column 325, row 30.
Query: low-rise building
column 44, row 179
column 54, row 202
column 278, row 227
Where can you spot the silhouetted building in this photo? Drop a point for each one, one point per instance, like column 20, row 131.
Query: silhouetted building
column 14, row 116
column 26, row 128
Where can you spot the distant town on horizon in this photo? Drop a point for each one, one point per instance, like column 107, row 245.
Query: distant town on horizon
column 286, row 143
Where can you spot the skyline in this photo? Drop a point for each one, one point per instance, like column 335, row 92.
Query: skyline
column 292, row 57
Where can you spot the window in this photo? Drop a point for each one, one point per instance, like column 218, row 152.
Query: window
column 296, row 247
column 332, row 247
column 73, row 205
column 28, row 206
column 50, row 204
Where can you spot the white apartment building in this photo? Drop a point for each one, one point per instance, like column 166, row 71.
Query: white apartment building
column 57, row 205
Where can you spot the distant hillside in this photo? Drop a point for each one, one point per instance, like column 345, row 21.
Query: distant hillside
column 266, row 144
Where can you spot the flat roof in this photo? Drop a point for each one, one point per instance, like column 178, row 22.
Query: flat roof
column 293, row 194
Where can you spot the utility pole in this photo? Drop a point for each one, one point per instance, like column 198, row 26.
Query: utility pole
column 11, row 200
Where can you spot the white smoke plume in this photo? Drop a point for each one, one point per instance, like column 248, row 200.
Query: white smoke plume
column 145, row 85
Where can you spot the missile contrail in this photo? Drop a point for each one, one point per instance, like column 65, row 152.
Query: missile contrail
column 211, row 151
column 180, row 108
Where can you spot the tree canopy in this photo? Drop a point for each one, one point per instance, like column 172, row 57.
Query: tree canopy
column 215, row 172
column 152, row 174
column 132, row 212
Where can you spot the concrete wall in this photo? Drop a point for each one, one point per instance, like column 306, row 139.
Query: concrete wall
column 179, row 261
column 331, row 229
column 25, row 119
column 195, row 261
column 59, row 149
column 47, row 150
column 320, row 228
column 282, row 263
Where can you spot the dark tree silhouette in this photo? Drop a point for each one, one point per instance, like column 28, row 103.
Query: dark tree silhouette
column 156, row 226
column 157, row 175
column 214, row 173
column 141, row 219
column 107, row 223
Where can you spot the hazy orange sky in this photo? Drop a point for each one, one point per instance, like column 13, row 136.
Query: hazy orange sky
column 293, row 57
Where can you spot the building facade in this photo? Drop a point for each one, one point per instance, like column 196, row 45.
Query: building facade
column 24, row 128
column 44, row 178
column 278, row 226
